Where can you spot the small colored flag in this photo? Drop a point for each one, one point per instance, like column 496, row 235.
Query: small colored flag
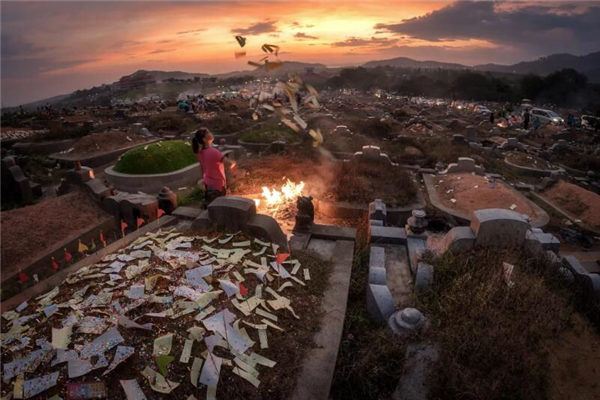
column 160, row 212
column 102, row 238
column 54, row 264
column 123, row 227
column 23, row 277
column 82, row 248
column 243, row 290
column 281, row 257
column 93, row 245
column 140, row 222
column 68, row 256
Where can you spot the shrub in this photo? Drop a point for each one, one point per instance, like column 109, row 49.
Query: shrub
column 157, row 158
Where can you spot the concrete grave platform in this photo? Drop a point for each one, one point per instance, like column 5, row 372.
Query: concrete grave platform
column 153, row 183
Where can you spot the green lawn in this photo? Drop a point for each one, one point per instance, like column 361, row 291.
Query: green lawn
column 157, row 158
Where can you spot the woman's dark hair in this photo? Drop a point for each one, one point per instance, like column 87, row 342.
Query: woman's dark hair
column 198, row 139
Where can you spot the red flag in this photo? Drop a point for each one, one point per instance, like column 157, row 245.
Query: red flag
column 123, row 225
column 23, row 277
column 281, row 257
column 54, row 264
column 243, row 290
column 140, row 221
column 102, row 238
column 160, row 212
column 68, row 256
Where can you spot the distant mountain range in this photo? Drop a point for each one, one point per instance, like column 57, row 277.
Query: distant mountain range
column 588, row 65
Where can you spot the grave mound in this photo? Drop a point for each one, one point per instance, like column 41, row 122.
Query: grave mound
column 157, row 158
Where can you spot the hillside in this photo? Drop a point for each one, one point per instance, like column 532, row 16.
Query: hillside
column 404, row 62
column 588, row 65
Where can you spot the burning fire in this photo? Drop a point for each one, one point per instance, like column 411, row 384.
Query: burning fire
column 289, row 192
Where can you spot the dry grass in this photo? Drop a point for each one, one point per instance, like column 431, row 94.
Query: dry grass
column 370, row 359
column 364, row 182
column 491, row 336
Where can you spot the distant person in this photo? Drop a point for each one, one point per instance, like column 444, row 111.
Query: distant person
column 213, row 163
column 536, row 124
column 570, row 120
column 526, row 117
column 492, row 118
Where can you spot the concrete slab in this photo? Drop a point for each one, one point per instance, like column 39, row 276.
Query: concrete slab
column 332, row 232
column 387, row 235
column 415, row 246
column 316, row 374
column 190, row 213
column 399, row 278
column 413, row 383
column 380, row 303
column 322, row 248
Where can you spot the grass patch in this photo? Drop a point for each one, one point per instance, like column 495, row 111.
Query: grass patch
column 157, row 158
column 370, row 358
column 195, row 197
column 491, row 337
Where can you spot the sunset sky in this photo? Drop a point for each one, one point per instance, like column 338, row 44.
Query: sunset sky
column 51, row 48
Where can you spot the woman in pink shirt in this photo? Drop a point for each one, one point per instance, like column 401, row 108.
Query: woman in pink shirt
column 213, row 163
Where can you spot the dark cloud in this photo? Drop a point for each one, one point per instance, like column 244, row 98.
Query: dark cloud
column 194, row 31
column 544, row 29
column 13, row 46
column 159, row 51
column 257, row 28
column 302, row 35
column 365, row 42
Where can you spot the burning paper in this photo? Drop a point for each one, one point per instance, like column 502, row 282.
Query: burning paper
column 36, row 386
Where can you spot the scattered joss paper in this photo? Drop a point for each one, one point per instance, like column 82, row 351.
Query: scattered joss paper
column 132, row 389
column 86, row 390
column 121, row 354
column 39, row 385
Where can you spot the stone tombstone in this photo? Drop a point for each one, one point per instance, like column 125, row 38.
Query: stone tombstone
column 417, row 223
column 458, row 139
column 380, row 303
column 497, row 227
column 167, row 200
column 423, row 277
column 377, row 210
column 471, row 133
column 305, row 216
column 406, row 321
column 231, row 212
